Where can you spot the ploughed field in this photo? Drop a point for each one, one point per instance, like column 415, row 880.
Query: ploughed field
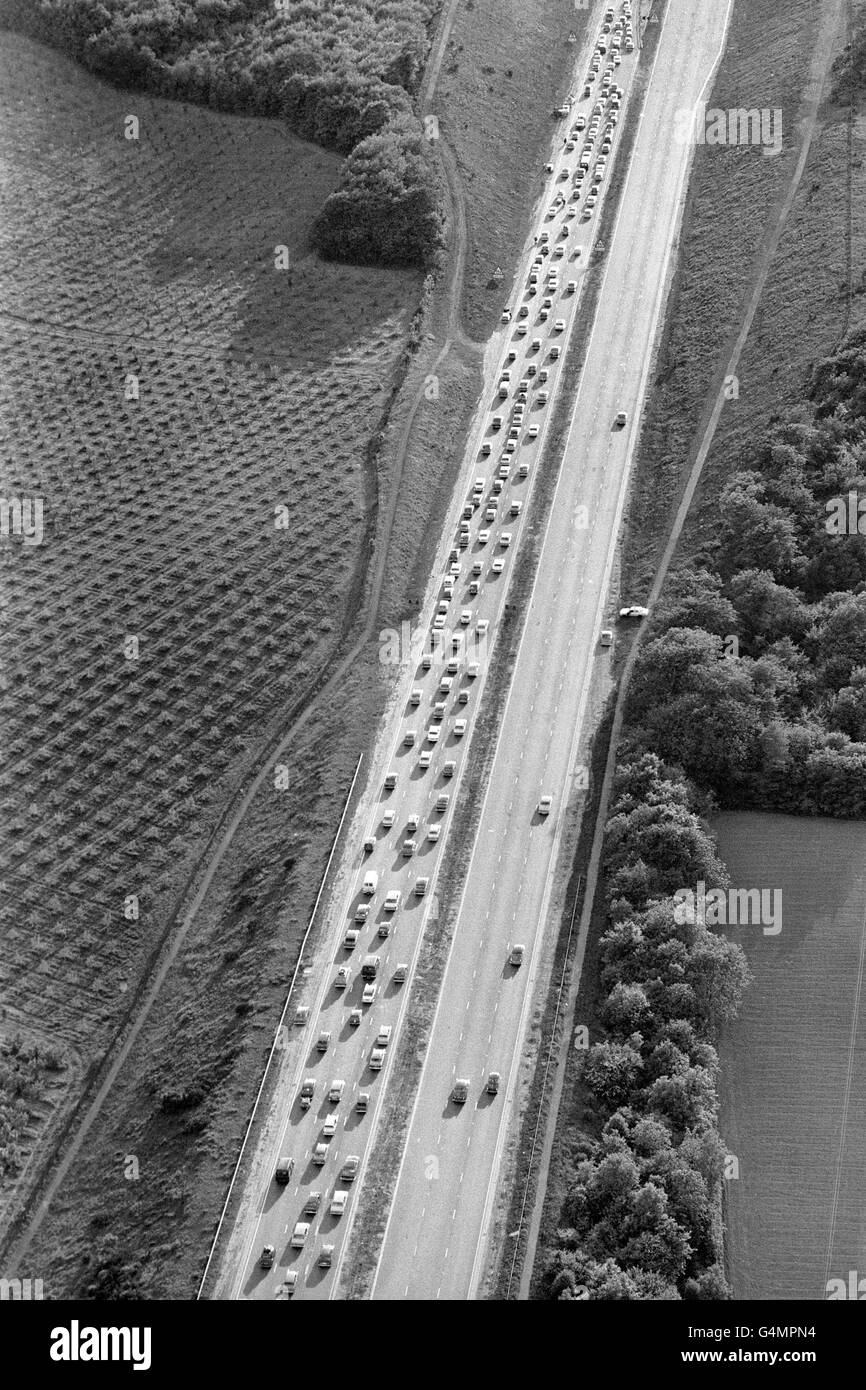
column 794, row 1063
column 171, row 610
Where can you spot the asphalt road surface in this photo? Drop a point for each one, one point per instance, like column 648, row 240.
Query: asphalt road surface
column 438, row 1220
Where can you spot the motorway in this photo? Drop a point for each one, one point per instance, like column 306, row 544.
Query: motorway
column 441, row 1208
column 440, row 1213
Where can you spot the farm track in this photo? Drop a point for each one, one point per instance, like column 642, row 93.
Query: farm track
column 102, row 1075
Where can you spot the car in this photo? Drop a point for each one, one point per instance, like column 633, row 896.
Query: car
column 423, row 883
column 336, row 1090
column 338, row 1203
column 308, row 1089
column 435, row 831
column 323, row 1041
column 415, row 696
column 459, row 728
column 344, row 975
column 606, row 637
column 466, row 615
column 289, row 1283
column 312, row 1204
column 409, row 738
column 498, row 565
column 401, row 974
column 320, row 1153
column 329, row 1128
column 515, row 507
column 362, row 1104
column 389, row 818
column 486, row 448
column 383, row 1037
column 634, row 610
column 505, row 539
column 506, row 316
column 460, row 1090
column 302, row 1014
column 548, row 168
column 448, row 769
column 266, row 1259
column 432, row 734
column 520, row 330
column 559, row 326
column 299, row 1234
column 362, row 912
column 355, row 1015
column 285, row 1168
column 440, row 620
column 484, row 536
column 350, row 940
column 544, row 805
column 377, row 1059
column 523, row 312
column 445, row 684
column 620, row 420
column 409, row 847
column 413, row 821
column 482, row 625
column 326, row 1258
column 369, row 844
column 392, row 900
column 425, row 759
column 349, row 1170
column 493, row 1083
column 516, row 954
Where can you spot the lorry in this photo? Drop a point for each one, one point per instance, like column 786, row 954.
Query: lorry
column 370, row 968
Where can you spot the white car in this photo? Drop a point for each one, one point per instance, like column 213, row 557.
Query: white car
column 505, row 539
column 634, row 610
column 559, row 326
column 466, row 617
column 426, row 758
column 336, row 1090
column 344, row 975
column 383, row 1037
column 413, row 822
column 338, row 1203
column 484, row 536
column 482, row 625
column 498, row 565
column 459, row 727
column 369, row 993
column 544, row 805
column 434, row 832
column 388, row 818
column 433, row 735
column 350, row 940
column 329, row 1128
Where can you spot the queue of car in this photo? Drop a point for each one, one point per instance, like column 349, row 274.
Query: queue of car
column 488, row 518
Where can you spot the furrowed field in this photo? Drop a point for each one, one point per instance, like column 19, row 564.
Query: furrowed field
column 166, row 620
column 794, row 1063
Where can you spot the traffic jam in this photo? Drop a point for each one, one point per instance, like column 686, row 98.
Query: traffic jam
column 355, row 1020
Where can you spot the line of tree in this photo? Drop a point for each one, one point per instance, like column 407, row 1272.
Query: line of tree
column 755, row 679
column 341, row 73
column 640, row 1219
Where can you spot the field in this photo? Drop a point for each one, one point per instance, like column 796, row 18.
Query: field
column 207, row 525
column 794, row 1063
